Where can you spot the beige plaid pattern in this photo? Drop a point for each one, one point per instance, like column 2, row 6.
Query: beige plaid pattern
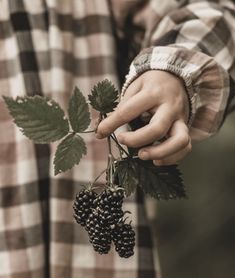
column 197, row 43
column 47, row 47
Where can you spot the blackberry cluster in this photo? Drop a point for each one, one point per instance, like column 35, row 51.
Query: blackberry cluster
column 102, row 217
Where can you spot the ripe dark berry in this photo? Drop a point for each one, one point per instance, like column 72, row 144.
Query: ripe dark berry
column 99, row 232
column 83, row 205
column 102, row 217
column 123, row 237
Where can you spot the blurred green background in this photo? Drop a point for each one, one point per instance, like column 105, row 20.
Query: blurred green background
column 196, row 237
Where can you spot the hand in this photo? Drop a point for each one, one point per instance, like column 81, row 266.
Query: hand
column 163, row 95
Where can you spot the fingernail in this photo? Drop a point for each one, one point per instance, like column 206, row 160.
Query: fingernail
column 144, row 155
column 157, row 162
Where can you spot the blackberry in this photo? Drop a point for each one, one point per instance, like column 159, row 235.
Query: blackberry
column 83, row 205
column 123, row 237
column 110, row 202
column 102, row 217
column 99, row 232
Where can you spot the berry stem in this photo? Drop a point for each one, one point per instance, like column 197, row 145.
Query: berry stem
column 109, row 145
column 99, row 176
column 110, row 170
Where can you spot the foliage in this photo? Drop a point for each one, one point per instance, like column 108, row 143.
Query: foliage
column 104, row 97
column 42, row 120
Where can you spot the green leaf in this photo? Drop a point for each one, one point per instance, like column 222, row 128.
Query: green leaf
column 126, row 172
column 104, row 97
column 79, row 115
column 160, row 182
column 40, row 118
column 69, row 153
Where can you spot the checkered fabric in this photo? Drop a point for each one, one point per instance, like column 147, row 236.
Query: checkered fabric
column 196, row 42
column 47, row 47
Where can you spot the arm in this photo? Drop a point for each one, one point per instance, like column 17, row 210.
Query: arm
column 195, row 44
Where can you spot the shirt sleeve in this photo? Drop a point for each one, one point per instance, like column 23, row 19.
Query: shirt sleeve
column 196, row 42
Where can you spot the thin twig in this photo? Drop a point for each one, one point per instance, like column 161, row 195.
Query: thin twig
column 99, row 176
column 113, row 136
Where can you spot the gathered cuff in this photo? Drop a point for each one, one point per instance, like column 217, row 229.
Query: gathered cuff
column 206, row 82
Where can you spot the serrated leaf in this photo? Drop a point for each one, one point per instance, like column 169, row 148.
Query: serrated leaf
column 104, row 97
column 39, row 118
column 79, row 115
column 126, row 172
column 160, row 182
column 69, row 153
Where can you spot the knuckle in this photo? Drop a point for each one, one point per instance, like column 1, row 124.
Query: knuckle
column 153, row 92
column 161, row 130
column 145, row 92
column 104, row 128
column 189, row 147
column 183, row 140
column 122, row 114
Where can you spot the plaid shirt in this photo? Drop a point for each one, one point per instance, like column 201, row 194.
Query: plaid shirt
column 47, row 47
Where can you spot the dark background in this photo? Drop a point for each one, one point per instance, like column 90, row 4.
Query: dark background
column 196, row 237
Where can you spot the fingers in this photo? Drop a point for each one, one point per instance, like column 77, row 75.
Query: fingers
column 178, row 141
column 175, row 158
column 156, row 129
column 126, row 112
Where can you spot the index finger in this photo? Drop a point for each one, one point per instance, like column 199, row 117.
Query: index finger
column 126, row 112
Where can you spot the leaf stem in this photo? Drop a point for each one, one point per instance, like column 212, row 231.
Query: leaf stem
column 110, row 163
column 113, row 136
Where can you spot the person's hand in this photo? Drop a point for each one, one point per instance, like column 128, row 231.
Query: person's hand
column 163, row 95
